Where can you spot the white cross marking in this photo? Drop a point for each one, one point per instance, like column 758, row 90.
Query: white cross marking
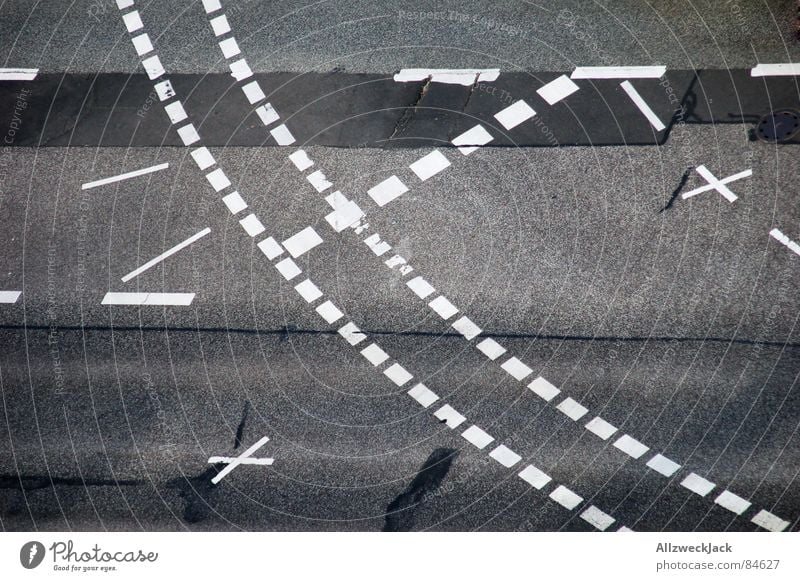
column 719, row 185
column 239, row 460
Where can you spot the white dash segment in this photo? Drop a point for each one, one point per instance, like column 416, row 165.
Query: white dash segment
column 253, row 92
column 375, row 244
column 249, row 461
column 465, row 77
column 389, row 189
column 632, row 447
column 491, row 348
column 601, row 428
column 252, row 225
column 220, row 25
column 535, row 477
column 449, row 416
column 288, row 268
column 444, row 308
column 785, row 240
column 477, row 437
column 9, row 297
column 302, row 242
column 229, row 48
column 234, row 202
column 572, row 409
column 153, row 67
column 514, row 114
column 345, row 214
column 467, row 328
column 557, row 90
column 565, row 497
column 663, row 465
column 125, row 176
column 646, row 72
column 268, row 115
column 429, row 165
column 421, row 287
column 543, row 388
column 642, row 105
column 329, row 312
column 270, row 248
column 505, row 456
column 472, row 139
column 597, row 518
column 8, row 74
column 149, row 299
column 732, row 502
column 374, row 354
column 142, row 44
column 188, row 134
column 352, row 334
column 175, row 112
column 218, row 180
column 422, row 395
column 516, row 369
column 776, row 70
column 133, row 21
column 308, row 290
column 122, row 4
column 282, row 135
column 767, row 520
column 211, row 6
column 203, row 158
column 165, row 255
column 698, row 484
column 319, row 181
column 240, row 70
column 164, row 90
column 301, row 160
column 398, row 374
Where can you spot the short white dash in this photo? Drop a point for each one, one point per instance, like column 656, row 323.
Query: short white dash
column 376, row 245
column 732, row 502
column 516, row 369
column 471, row 139
column 535, row 477
column 133, row 21
column 142, row 44
column 153, row 68
column 164, row 90
column 558, row 89
column 663, row 465
column 253, row 92
column 389, row 189
column 597, row 518
column 352, row 334
column 329, row 312
column 601, row 428
column 543, row 388
column 234, row 202
column 514, row 114
column 165, row 255
column 449, row 416
column 466, row 327
column 188, row 134
column 240, row 70
column 429, row 165
column 491, row 348
column 398, row 374
column 211, row 6
column 637, row 99
column 464, row 77
column 421, row 287
column 318, row 180
column 218, row 180
column 572, row 409
column 18, row 74
column 9, row 297
column 477, row 437
column 345, row 215
column 630, row 446
column 249, row 461
column 444, row 308
column 301, row 160
column 423, row 396
column 505, row 456
column 267, row 114
column 203, row 158
column 288, row 268
column 121, row 4
column 302, row 242
column 565, row 497
column 374, row 354
column 149, row 299
column 175, row 112
column 282, row 135
column 647, row 72
column 308, row 290
column 270, row 248
column 229, row 48
column 698, row 484
column 220, row 25
column 252, row 225
column 776, row 70
column 767, row 520
column 125, row 176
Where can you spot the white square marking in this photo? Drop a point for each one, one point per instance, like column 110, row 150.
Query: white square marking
column 329, row 312
column 288, row 268
column 558, row 89
column 152, row 66
column 124, row 4
column 388, row 190
column 302, row 242
column 352, row 334
column 698, row 484
column 663, row 465
column 514, row 114
column 624, row 530
column 164, row 90
column 572, row 409
column 301, row 160
column 444, row 308
column 543, row 388
column 317, row 179
column 188, row 134
column 220, row 25
column 565, row 497
column 308, row 290
column 597, row 518
column 344, row 216
column 234, row 202
column 253, row 92
column 601, row 428
column 282, row 135
column 470, row 140
column 270, row 248
column 421, row 287
column 175, row 112
column 218, row 180
column 132, row 21
column 535, row 477
column 424, row 396
column 211, row 6
column 252, row 225
column 732, row 502
column 374, row 354
column 633, row 448
column 491, row 348
column 229, row 47
column 203, row 158
column 505, row 456
column 516, row 369
column 398, row 374
column 467, row 328
column 375, row 244
column 477, row 437
column 240, row 70
column 767, row 520
column 267, row 114
column 449, row 416
column 429, row 165
column 142, row 44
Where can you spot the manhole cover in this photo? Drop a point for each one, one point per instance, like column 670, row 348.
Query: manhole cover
column 779, row 126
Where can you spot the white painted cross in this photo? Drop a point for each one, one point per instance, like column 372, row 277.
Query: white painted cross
column 719, row 185
column 243, row 459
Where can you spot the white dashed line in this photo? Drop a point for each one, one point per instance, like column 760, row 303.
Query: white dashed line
column 252, row 225
column 389, row 189
column 375, row 244
column 477, row 437
column 153, row 67
column 642, row 105
column 175, row 112
column 240, row 70
column 663, row 465
column 374, row 354
column 288, row 268
column 203, row 158
column 164, row 90
column 514, row 114
column 211, row 6
column 698, row 484
column 767, row 520
column 301, row 160
column 421, row 287
column 188, row 134
column 491, row 348
column 633, row 448
column 471, row 139
column 318, row 181
column 429, row 165
column 651, row 72
column 165, row 255
column 142, row 44
column 558, row 89
column 9, row 74
column 234, row 202
column 270, row 248
column 597, row 518
column 9, row 297
column 449, row 416
column 175, row 299
column 253, row 92
column 424, row 396
column 308, row 290
column 444, row 308
column 732, row 502
column 505, row 456
column 535, row 477
column 220, row 25
column 467, row 328
column 398, row 374
column 125, row 176
column 516, row 369
column 302, row 242
column 229, row 48
column 282, row 135
column 601, row 428
column 572, row 409
column 352, row 334
column 218, row 180
column 565, row 497
column 776, row 70
column 329, row 312
column 268, row 116
column 133, row 21
column 543, row 388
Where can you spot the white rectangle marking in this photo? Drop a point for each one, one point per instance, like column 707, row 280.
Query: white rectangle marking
column 124, row 176
column 318, row 180
column 732, row 502
column 252, row 225
column 663, row 465
column 133, row 21
column 516, row 369
column 229, row 48
column 449, row 416
column 270, row 248
column 630, row 446
column 188, row 134
column 164, row 90
column 444, row 308
column 374, row 354
column 389, row 189
column 302, row 242
column 477, row 437
column 288, row 268
column 776, row 70
column 301, row 160
column 471, row 139
column 597, row 518
column 308, row 290
column 374, row 243
column 543, row 388
column 491, row 348
column 557, row 89
column 601, row 428
column 124, row 4
column 535, row 477
column 203, row 158
column 424, row 396
column 651, row 72
column 240, row 70
column 505, row 456
column 767, row 520
column 514, row 114
column 467, row 328
column 165, row 255
column 218, row 180
column 175, row 112
column 282, row 135
column 220, row 25
column 698, row 484
column 153, row 68
column 352, row 334
column 18, row 74
column 429, row 165
column 344, row 216
column 329, row 312
column 211, row 6
column 398, row 374
column 267, row 114
column 149, row 299
column 565, row 497
column 421, row 287
column 572, row 409
column 234, row 202
column 637, row 99
column 142, row 44
column 9, row 297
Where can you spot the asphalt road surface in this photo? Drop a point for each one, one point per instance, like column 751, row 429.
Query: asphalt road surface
column 531, row 295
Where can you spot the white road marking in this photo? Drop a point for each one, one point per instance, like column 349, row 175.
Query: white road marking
column 282, row 135
column 633, row 448
column 268, row 116
column 514, row 114
column 776, row 70
column 785, row 240
column 624, row 530
column 491, row 348
column 234, row 202
column 229, row 47
column 449, row 416
column 133, row 21
column 251, row 461
column 505, row 456
column 374, row 354
column 597, row 518
column 444, row 308
column 125, row 176
column 18, row 74
column 253, row 92
column 317, row 179
column 352, row 334
column 467, row 328
column 429, row 165
column 301, row 160
column 374, row 243
column 240, row 70
column 398, row 374
column 270, row 248
column 698, row 484
column 516, row 369
column 471, row 139
column 572, row 409
column 732, row 502
column 389, row 189
column 302, row 242
column 477, row 437
column 142, row 44
column 246, row 454
column 153, row 68
column 124, row 4
column 421, row 287
column 203, row 158
column 9, row 297
column 535, row 477
column 220, row 25
column 252, row 225
column 288, row 268
column 344, row 215
column 211, row 6
column 424, row 396
column 308, row 290
column 601, row 428
column 188, row 134
column 329, row 312
column 218, row 180
column 651, row 72
column 767, row 520
column 175, row 112
column 164, row 90
column 565, row 497
column 543, row 388
column 558, row 89
column 148, row 299
column 663, row 465
column 715, row 184
column 642, row 105
column 464, row 77
column 165, row 255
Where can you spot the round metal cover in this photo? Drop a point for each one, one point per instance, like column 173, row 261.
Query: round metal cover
column 779, row 126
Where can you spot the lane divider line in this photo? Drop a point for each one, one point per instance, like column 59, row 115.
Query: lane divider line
column 165, row 255
column 124, row 176
column 642, row 105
